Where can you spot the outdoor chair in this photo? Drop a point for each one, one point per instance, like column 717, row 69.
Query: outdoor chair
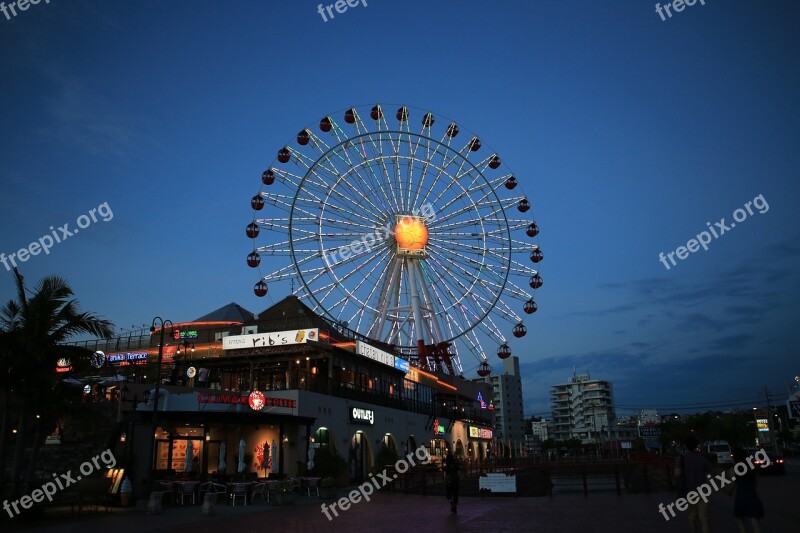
column 313, row 485
column 238, row 492
column 187, row 491
column 208, row 486
column 259, row 489
column 167, row 488
column 273, row 487
column 213, row 488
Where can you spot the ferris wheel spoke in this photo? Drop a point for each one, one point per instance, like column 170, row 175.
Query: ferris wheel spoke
column 455, row 277
column 338, row 178
column 516, row 291
column 478, row 184
column 339, row 281
column 396, row 173
column 446, row 304
column 427, row 164
column 508, row 313
column 522, row 245
column 345, row 199
column 454, row 181
column 376, row 148
column 291, row 270
column 456, row 256
column 439, row 175
column 368, row 300
column 489, row 326
column 474, row 346
column 414, row 148
column 491, row 208
column 481, row 302
column 444, row 164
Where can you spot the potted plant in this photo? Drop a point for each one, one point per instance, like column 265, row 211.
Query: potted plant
column 328, row 464
column 284, row 495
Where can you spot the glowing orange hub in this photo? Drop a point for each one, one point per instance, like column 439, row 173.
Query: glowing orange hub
column 411, row 233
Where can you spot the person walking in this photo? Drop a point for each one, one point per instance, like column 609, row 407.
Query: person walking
column 746, row 503
column 694, row 468
column 451, row 480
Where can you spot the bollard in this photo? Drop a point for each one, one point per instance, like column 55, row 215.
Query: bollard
column 209, row 504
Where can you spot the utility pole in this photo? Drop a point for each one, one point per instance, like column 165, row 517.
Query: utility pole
column 770, row 425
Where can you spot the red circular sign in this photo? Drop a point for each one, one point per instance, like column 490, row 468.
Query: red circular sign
column 176, row 334
column 256, row 400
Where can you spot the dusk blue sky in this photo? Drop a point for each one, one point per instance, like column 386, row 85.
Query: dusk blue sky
column 628, row 134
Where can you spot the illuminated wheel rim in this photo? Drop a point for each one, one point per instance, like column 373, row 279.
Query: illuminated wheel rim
column 413, row 239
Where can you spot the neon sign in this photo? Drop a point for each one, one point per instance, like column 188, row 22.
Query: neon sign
column 480, row 399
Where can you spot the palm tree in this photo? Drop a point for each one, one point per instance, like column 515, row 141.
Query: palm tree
column 33, row 331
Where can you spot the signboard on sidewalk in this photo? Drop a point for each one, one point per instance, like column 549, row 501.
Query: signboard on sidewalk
column 497, row 482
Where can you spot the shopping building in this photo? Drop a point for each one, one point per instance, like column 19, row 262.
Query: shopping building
column 254, row 395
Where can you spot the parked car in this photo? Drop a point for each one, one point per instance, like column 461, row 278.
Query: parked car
column 776, row 464
column 720, row 449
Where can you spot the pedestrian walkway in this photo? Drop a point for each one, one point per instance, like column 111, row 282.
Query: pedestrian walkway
column 398, row 512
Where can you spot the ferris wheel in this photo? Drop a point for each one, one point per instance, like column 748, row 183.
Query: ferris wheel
column 403, row 229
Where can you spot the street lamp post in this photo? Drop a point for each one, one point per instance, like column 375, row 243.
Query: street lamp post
column 156, row 394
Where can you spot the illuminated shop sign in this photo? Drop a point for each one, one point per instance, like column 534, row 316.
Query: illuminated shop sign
column 480, row 399
column 438, row 429
column 423, row 379
column 276, row 338
column 188, row 334
column 480, row 433
column 362, row 416
column 130, row 357
column 63, row 365
column 238, row 399
column 401, row 364
column 762, row 424
column 370, row 352
column 256, row 400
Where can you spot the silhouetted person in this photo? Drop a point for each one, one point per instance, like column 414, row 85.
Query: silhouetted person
column 451, row 480
column 746, row 503
column 695, row 467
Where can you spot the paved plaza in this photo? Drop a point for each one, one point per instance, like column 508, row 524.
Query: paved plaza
column 398, row 512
